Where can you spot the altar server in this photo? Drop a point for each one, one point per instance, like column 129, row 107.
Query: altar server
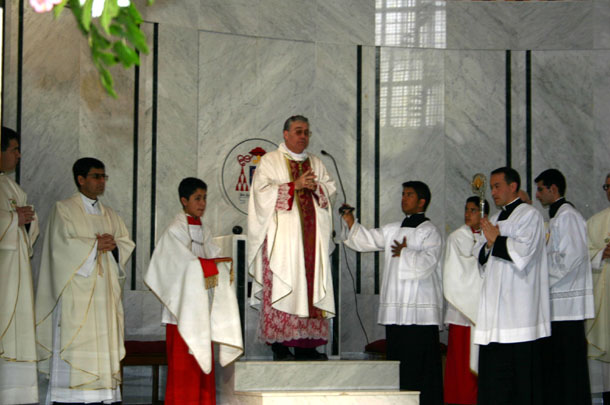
column 571, row 293
column 18, row 232
column 411, row 299
column 514, row 309
column 199, row 302
column 79, row 308
column 461, row 287
column 598, row 329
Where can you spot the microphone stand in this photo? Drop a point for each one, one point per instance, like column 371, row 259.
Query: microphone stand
column 345, row 208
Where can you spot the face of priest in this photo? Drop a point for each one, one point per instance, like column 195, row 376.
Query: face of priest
column 297, row 138
column 11, row 156
column 472, row 215
column 195, row 205
column 411, row 203
column 546, row 195
column 502, row 192
column 94, row 184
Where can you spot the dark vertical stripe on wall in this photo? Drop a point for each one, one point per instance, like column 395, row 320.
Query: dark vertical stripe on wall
column 528, row 121
column 358, row 155
column 377, row 157
column 19, row 80
column 153, row 169
column 134, row 206
column 3, row 50
column 509, row 128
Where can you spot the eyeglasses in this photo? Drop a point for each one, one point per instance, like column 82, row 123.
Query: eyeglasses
column 606, row 187
column 306, row 132
column 98, row 176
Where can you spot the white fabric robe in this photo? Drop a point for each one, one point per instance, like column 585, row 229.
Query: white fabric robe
column 514, row 302
column 569, row 266
column 411, row 290
column 282, row 229
column 18, row 380
column 87, row 325
column 176, row 277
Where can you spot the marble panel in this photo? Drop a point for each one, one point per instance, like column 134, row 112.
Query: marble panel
column 183, row 13
column 142, row 316
column 328, row 375
column 323, row 398
column 287, row 19
column 563, row 134
column 601, row 28
column 411, row 118
column 474, row 127
column 10, row 64
column 554, row 25
column 518, row 114
column 597, row 200
column 345, row 21
column 227, row 115
column 481, row 25
column 177, row 118
column 50, row 117
column 230, row 16
column 412, row 24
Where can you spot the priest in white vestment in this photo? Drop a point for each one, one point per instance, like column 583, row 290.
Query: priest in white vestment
column 598, row 329
column 514, row 307
column 199, row 301
column 411, row 298
column 79, row 308
column 571, row 293
column 18, row 232
column 289, row 246
column 461, row 288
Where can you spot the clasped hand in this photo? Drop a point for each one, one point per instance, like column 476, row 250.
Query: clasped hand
column 25, row 215
column 397, row 247
column 306, row 180
column 105, row 242
column 490, row 231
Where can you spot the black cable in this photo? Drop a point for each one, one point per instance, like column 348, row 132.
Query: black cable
column 355, row 294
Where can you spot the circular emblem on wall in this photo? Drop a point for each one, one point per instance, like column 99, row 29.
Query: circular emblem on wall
column 238, row 170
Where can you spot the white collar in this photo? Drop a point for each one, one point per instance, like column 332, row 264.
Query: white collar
column 295, row 156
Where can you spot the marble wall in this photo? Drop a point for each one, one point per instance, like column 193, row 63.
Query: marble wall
column 231, row 70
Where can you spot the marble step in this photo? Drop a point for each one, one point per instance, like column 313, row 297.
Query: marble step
column 332, row 375
column 328, row 397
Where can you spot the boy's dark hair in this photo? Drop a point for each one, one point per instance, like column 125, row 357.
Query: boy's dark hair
column 189, row 185
column 550, row 177
column 7, row 135
column 82, row 166
column 477, row 201
column 510, row 175
column 421, row 189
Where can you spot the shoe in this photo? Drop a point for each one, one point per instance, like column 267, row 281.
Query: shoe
column 281, row 352
column 310, row 354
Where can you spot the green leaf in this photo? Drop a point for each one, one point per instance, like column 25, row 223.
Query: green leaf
column 86, row 14
column 111, row 10
column 116, row 30
column 150, row 2
column 107, row 81
column 133, row 12
column 133, row 34
column 59, row 7
column 108, row 59
column 126, row 55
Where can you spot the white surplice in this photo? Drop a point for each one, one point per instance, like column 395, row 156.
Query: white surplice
column 203, row 316
column 283, row 231
column 569, row 266
column 79, row 309
column 411, row 290
column 514, row 302
column 18, row 380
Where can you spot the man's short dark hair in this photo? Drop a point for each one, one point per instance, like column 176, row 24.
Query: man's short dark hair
column 421, row 189
column 477, row 201
column 550, row 177
column 510, row 175
column 189, row 185
column 294, row 118
column 82, row 166
column 7, row 135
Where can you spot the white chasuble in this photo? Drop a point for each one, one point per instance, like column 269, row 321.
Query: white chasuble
column 80, row 314
column 203, row 316
column 18, row 380
column 282, row 229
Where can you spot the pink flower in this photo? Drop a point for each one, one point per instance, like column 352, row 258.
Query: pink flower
column 42, row 6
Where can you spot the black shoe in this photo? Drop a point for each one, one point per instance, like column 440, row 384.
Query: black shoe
column 310, row 354
column 281, row 352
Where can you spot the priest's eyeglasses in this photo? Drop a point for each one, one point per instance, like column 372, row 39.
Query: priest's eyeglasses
column 98, row 176
column 606, row 187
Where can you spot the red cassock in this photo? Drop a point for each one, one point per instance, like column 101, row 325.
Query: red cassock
column 460, row 381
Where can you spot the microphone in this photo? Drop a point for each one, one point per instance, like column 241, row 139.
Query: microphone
column 345, row 208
